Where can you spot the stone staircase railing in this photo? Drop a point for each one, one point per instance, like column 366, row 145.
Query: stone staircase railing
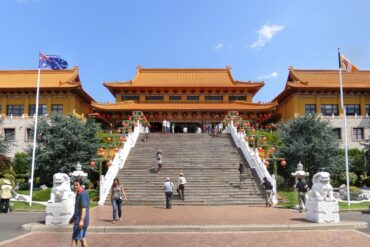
column 117, row 164
column 252, row 157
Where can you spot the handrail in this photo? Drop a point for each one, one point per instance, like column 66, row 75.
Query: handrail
column 252, row 157
column 117, row 164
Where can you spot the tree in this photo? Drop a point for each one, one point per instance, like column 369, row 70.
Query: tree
column 310, row 140
column 4, row 145
column 21, row 163
column 62, row 142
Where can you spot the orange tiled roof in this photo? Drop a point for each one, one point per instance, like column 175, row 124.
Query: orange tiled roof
column 299, row 79
column 155, row 77
column 50, row 79
column 130, row 106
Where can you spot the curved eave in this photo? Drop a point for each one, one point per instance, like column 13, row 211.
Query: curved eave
column 129, row 106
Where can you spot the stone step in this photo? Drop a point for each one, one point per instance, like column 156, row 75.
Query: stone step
column 210, row 165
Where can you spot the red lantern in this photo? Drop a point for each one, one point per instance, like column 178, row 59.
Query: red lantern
column 109, row 139
column 184, row 114
column 92, row 163
column 123, row 139
column 174, row 115
column 204, row 115
column 155, row 115
column 101, row 150
column 194, row 115
column 283, row 163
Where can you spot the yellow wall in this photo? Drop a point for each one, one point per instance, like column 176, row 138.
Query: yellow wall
column 71, row 103
column 294, row 105
column 166, row 96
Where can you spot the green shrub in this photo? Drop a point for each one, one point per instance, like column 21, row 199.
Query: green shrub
column 41, row 195
column 94, row 195
column 353, row 189
column 352, row 178
column 280, row 181
column 367, row 181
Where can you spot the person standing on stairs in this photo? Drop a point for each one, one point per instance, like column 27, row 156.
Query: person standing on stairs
column 242, row 173
column 117, row 194
column 158, row 161
column 168, row 190
column 181, row 186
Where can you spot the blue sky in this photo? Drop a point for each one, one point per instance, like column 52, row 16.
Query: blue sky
column 258, row 39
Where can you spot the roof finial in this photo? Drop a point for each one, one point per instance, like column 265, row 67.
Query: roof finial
column 228, row 66
column 139, row 67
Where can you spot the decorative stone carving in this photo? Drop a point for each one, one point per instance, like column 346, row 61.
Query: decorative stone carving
column 78, row 174
column 61, row 188
column 321, row 205
column 300, row 173
column 321, row 188
column 60, row 207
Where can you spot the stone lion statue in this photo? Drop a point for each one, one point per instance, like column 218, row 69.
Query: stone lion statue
column 61, row 188
column 321, row 188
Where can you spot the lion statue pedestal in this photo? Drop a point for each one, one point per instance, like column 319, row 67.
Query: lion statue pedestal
column 60, row 207
column 321, row 205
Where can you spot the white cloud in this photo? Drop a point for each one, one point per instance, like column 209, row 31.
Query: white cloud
column 273, row 74
column 265, row 34
column 218, row 46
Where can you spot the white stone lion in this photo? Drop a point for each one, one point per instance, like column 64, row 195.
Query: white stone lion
column 61, row 188
column 321, row 188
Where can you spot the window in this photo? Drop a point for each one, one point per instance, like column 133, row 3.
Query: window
column 358, row 134
column 338, row 133
column 352, row 110
column 192, row 97
column 328, row 110
column 175, row 97
column 29, row 135
column 15, row 110
column 42, row 110
column 310, row 109
column 57, row 108
column 154, row 97
column 130, row 97
column 237, row 97
column 9, row 134
column 214, row 97
column 367, row 109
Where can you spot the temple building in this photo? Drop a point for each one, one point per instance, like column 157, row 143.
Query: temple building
column 60, row 91
column 317, row 92
column 183, row 97
column 186, row 97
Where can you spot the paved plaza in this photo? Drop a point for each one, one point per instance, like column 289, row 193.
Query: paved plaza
column 200, row 226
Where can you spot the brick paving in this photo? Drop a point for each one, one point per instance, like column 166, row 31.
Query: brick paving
column 198, row 215
column 206, row 215
column 255, row 239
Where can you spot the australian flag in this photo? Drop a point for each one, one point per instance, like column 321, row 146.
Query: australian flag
column 52, row 62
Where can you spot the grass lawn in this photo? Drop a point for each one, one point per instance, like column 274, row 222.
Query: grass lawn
column 25, row 206
column 289, row 199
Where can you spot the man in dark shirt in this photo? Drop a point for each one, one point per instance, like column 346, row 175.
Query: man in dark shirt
column 80, row 218
column 267, row 186
column 301, row 187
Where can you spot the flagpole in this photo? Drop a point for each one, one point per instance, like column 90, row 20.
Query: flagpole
column 345, row 128
column 35, row 132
